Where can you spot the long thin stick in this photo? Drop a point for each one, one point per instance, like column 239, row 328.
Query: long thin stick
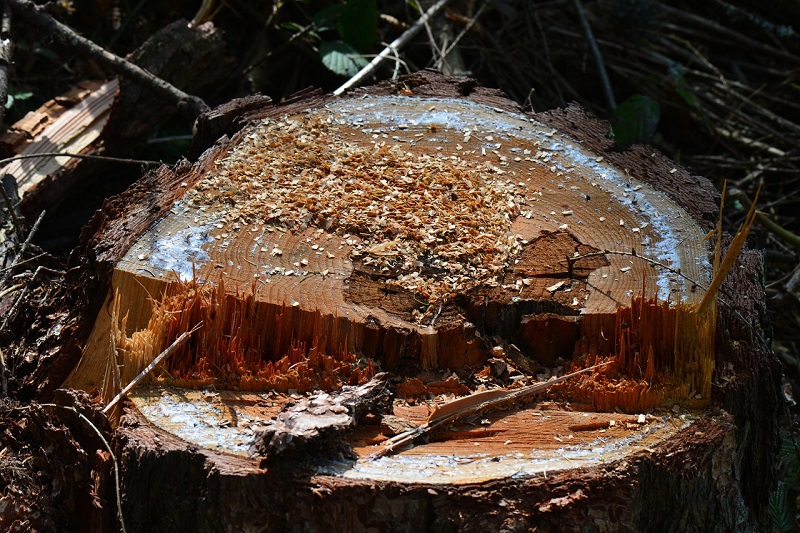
column 393, row 47
column 587, row 31
column 160, row 357
column 36, row 16
column 460, row 408
column 81, row 156
column 9, row 181
column 22, row 248
column 110, row 452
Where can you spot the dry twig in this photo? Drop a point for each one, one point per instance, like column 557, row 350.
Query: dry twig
column 22, row 249
column 601, row 67
column 160, row 357
column 392, row 48
column 471, row 405
column 110, row 452
column 122, row 160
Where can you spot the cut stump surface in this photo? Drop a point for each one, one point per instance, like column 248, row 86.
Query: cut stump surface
column 402, row 230
column 448, row 238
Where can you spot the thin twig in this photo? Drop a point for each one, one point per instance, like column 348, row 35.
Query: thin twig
column 277, row 50
column 110, row 451
column 587, row 31
column 467, row 28
column 395, row 45
column 772, row 226
column 572, row 260
column 81, row 156
column 32, row 13
column 13, row 311
column 480, row 402
column 24, row 261
column 11, row 289
column 19, row 225
column 22, row 249
column 160, row 357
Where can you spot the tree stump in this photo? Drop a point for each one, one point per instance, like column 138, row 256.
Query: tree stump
column 430, row 229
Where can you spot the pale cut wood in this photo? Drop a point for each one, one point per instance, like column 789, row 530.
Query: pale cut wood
column 536, row 438
column 247, row 225
column 74, row 130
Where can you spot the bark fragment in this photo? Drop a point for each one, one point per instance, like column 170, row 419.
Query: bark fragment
column 319, row 421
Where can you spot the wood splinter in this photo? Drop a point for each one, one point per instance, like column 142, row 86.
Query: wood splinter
column 149, row 368
column 460, row 408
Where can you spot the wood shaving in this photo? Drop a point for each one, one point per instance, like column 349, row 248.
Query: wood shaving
column 435, row 221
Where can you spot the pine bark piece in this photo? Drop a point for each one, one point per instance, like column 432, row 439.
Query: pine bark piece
column 314, row 423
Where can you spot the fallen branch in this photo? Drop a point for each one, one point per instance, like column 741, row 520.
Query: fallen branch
column 460, row 408
column 160, row 357
column 772, row 226
column 193, row 106
column 598, row 58
column 392, row 48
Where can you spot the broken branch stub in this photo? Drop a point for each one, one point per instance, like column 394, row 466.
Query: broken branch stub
column 407, row 230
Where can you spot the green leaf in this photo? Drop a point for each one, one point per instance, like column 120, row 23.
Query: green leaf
column 780, row 511
column 15, row 96
column 22, row 95
column 358, row 23
column 341, row 58
column 635, row 120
